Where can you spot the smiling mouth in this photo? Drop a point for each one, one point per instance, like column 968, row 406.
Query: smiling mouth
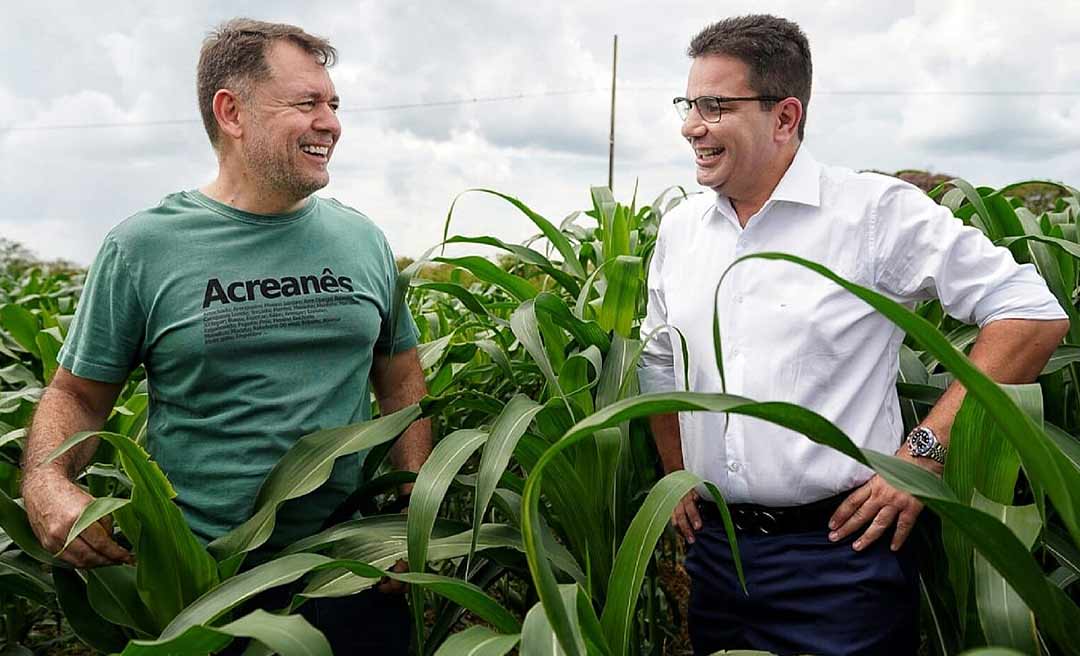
column 320, row 152
column 707, row 156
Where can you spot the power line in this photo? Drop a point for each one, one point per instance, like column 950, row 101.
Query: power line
column 343, row 110
column 471, row 101
column 912, row 92
column 521, row 96
column 946, row 93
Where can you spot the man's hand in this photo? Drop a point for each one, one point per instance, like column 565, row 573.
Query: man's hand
column 388, row 585
column 53, row 504
column 685, row 518
column 878, row 501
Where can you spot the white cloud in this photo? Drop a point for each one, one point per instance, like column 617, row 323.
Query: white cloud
column 61, row 190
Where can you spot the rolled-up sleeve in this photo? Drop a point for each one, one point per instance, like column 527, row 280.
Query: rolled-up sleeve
column 922, row 251
column 656, row 369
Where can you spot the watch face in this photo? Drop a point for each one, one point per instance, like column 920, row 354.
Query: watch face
column 921, row 442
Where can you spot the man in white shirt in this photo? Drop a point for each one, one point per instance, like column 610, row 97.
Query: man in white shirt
column 821, row 537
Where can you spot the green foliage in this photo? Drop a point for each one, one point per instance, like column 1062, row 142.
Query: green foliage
column 540, row 512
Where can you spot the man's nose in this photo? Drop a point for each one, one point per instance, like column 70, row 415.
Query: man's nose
column 327, row 120
column 693, row 125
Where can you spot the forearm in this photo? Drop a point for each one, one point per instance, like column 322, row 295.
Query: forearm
column 60, row 414
column 53, row 502
column 398, row 385
column 412, row 449
column 665, row 430
column 1008, row 351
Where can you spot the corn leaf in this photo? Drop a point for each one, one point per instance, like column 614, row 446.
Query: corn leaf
column 431, row 484
column 981, row 461
column 91, row 627
column 478, row 641
column 538, row 637
column 1006, row 620
column 525, row 325
column 457, row 291
column 22, row 577
column 288, row 635
column 428, row 491
column 635, row 551
column 1070, row 247
column 382, row 549
column 174, row 569
column 16, row 526
column 529, row 256
column 303, row 468
column 48, row 344
column 285, row 570
column 619, row 308
column 509, row 426
column 588, row 333
column 114, row 594
column 22, row 326
column 487, row 271
column 93, row 511
column 553, row 234
column 1063, row 356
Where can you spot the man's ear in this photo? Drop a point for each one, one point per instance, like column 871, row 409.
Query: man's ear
column 227, row 108
column 788, row 115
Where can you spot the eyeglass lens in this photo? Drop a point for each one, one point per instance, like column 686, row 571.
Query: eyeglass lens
column 708, row 106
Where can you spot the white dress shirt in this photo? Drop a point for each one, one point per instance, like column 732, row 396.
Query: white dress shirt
column 789, row 334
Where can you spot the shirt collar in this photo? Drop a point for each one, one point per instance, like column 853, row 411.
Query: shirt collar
column 801, row 184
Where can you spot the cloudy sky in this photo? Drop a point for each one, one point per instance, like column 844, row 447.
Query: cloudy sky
column 98, row 116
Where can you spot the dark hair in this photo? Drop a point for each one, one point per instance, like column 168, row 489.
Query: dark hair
column 233, row 56
column 775, row 52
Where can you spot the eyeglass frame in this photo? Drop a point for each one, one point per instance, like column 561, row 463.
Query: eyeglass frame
column 693, row 104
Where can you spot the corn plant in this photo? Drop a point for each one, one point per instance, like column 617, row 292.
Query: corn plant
column 536, row 519
column 1013, row 602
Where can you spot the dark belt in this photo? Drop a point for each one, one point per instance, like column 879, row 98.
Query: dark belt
column 766, row 520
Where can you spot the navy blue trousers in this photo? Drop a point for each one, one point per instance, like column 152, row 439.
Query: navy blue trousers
column 806, row 595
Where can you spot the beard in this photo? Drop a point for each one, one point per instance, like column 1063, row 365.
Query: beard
column 277, row 171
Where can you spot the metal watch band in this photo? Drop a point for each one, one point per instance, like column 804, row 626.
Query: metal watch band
column 937, row 453
column 923, row 443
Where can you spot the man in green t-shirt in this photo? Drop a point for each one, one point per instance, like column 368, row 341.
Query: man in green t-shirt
column 260, row 313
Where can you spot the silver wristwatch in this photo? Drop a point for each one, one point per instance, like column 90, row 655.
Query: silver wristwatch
column 922, row 443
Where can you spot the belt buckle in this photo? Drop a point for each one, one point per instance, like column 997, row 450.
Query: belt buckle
column 767, row 523
column 757, row 521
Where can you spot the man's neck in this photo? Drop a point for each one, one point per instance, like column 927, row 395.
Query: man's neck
column 748, row 204
column 239, row 190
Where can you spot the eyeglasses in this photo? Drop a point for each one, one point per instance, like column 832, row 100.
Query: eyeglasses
column 709, row 106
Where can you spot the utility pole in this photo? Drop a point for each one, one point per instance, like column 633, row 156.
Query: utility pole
column 611, row 134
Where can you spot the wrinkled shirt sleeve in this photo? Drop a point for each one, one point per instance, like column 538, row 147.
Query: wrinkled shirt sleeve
column 922, row 251
column 656, row 369
column 106, row 338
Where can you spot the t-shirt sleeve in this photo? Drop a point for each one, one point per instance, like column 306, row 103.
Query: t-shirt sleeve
column 398, row 331
column 922, row 251
column 106, row 336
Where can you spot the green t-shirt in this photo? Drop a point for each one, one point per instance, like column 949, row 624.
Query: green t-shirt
column 254, row 330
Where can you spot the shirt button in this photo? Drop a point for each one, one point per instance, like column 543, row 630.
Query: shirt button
column 733, row 466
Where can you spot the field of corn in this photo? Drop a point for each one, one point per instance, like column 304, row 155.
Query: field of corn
column 539, row 523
